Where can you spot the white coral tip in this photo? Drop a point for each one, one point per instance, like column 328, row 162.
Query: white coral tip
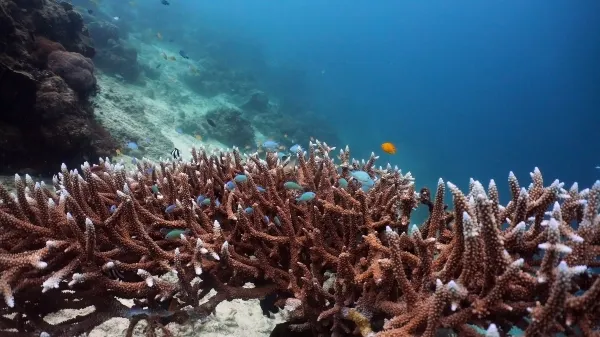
column 492, row 331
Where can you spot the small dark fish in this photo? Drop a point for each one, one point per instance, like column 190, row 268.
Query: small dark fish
column 267, row 304
column 171, row 40
column 184, row 54
column 90, row 11
column 175, row 153
column 158, row 66
column 165, row 2
column 211, row 122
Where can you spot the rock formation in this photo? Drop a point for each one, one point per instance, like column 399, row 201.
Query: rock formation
column 46, row 76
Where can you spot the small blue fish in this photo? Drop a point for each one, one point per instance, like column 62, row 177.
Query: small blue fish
column 217, row 202
column 155, row 189
column 295, row 148
column 367, row 184
column 171, row 234
column 270, row 146
column 113, row 209
column 240, row 178
column 306, row 196
column 170, row 209
column 179, row 130
column 277, row 221
column 132, row 146
column 249, row 210
column 230, row 185
column 343, row 182
column 290, row 185
column 206, row 202
column 282, row 156
column 260, row 189
column 266, row 219
column 361, row 176
column 200, row 199
column 134, row 161
column 149, row 170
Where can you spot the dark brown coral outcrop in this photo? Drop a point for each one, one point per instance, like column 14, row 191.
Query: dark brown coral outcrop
column 44, row 120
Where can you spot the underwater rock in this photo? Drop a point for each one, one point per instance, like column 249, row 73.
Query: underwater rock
column 43, row 47
column 120, row 59
column 214, row 79
column 284, row 330
column 258, row 102
column 75, row 69
column 62, row 24
column 113, row 55
column 230, row 127
column 44, row 120
column 101, row 32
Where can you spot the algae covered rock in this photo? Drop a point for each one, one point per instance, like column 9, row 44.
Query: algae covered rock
column 258, row 102
column 224, row 124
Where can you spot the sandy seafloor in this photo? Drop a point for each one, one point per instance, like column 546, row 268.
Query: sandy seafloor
column 231, row 318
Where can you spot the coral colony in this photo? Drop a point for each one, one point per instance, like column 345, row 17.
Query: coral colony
column 342, row 260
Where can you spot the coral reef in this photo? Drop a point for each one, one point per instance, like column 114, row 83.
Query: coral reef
column 57, row 21
column 340, row 256
column 46, row 117
column 76, row 69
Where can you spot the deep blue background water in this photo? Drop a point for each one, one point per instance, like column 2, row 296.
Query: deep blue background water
column 463, row 88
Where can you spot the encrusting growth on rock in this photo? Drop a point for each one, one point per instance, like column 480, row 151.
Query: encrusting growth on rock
column 347, row 262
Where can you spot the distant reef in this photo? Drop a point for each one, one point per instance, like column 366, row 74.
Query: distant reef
column 46, row 79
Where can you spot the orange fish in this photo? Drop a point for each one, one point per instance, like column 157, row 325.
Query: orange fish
column 118, row 152
column 198, row 137
column 388, row 148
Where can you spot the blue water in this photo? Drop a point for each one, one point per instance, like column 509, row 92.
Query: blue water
column 463, row 88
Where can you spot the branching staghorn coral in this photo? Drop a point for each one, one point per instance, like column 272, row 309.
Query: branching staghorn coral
column 347, row 262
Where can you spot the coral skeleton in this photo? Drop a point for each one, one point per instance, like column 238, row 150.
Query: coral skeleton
column 348, row 262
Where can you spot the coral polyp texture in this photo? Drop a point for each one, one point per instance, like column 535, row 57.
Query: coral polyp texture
column 344, row 261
